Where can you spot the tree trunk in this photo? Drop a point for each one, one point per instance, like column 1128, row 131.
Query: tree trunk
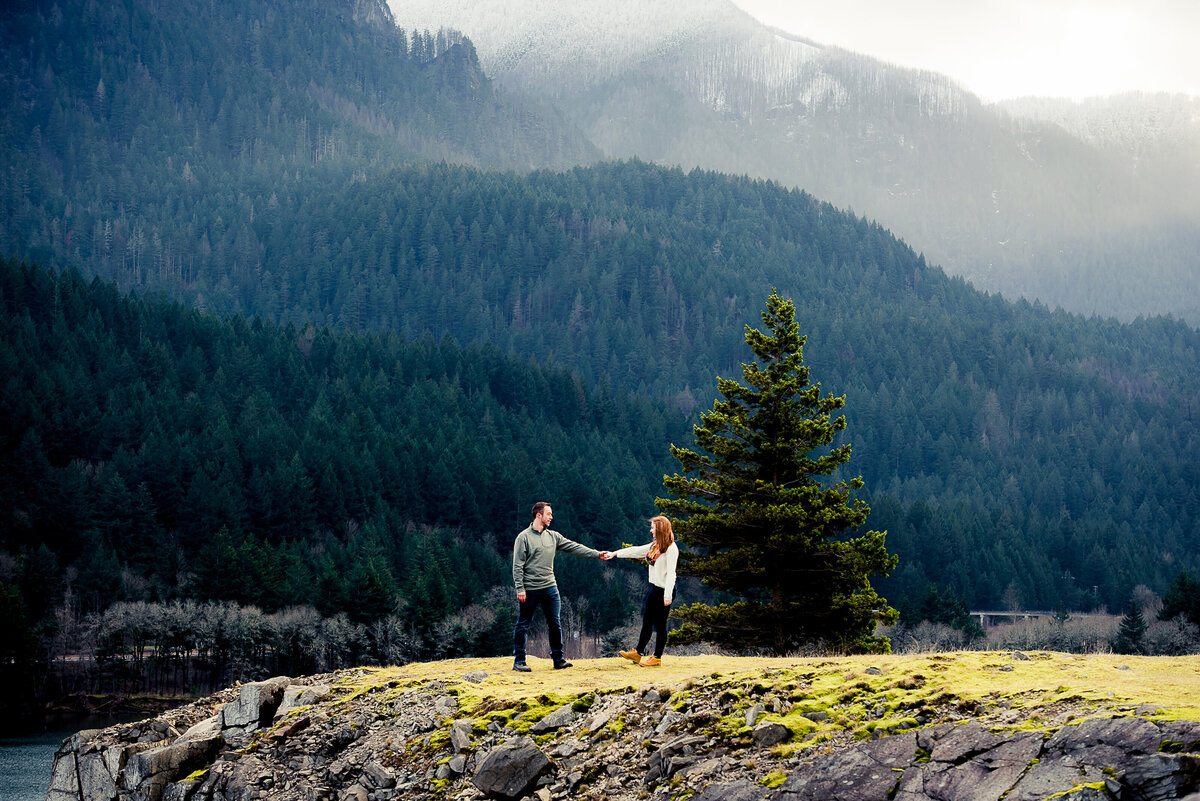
column 777, row 619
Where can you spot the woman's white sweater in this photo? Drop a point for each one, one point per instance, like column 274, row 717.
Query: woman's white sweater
column 662, row 570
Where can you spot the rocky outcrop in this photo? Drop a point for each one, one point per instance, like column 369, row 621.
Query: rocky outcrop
column 151, row 760
column 1095, row 759
column 358, row 736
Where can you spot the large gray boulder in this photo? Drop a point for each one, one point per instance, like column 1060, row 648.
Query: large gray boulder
column 956, row 743
column 1161, row 777
column 255, row 705
column 148, row 773
column 298, row 695
column 866, row 772
column 968, row 762
column 88, row 771
column 1106, row 742
column 204, row 730
column 510, row 769
column 83, row 770
column 767, row 734
column 1085, row 754
column 460, row 735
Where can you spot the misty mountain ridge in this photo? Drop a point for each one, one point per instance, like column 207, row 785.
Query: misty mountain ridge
column 744, row 67
column 1155, row 136
column 1129, row 122
column 1022, row 203
column 529, row 39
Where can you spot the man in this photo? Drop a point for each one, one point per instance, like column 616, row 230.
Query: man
column 533, row 574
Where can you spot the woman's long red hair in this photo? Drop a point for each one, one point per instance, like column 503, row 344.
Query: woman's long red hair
column 663, row 536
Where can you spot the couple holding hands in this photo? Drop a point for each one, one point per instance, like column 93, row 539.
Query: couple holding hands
column 533, row 575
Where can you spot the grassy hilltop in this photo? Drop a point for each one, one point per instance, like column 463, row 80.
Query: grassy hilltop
column 1022, row 726
column 861, row 695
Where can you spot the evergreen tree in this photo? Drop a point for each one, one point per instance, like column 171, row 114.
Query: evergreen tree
column 1133, row 628
column 1182, row 599
column 760, row 520
column 947, row 608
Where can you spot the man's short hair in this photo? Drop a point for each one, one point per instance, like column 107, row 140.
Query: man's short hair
column 538, row 507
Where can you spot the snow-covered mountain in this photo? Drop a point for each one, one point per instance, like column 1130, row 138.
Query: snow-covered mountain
column 1096, row 210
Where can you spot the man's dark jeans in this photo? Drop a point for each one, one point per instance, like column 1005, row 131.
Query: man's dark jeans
column 551, row 606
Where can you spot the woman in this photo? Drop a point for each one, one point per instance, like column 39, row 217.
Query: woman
column 661, row 554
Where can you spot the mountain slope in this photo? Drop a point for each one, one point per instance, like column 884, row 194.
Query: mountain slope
column 124, row 113
column 1013, row 204
column 1004, row 446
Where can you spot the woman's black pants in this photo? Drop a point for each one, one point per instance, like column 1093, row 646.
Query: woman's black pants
column 654, row 619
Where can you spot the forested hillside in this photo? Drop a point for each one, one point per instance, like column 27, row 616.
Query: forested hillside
column 151, row 453
column 1034, row 445
column 123, row 119
column 141, row 434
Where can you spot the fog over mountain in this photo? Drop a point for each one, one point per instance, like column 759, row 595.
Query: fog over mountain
column 1136, row 127
column 1094, row 208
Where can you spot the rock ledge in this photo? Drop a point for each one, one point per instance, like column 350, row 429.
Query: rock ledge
column 354, row 736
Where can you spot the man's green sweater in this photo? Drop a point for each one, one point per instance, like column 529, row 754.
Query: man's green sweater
column 533, row 557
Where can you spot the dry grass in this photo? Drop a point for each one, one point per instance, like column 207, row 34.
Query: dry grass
column 1110, row 681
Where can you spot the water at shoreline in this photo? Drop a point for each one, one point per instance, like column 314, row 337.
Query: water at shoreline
column 26, row 760
column 25, row 764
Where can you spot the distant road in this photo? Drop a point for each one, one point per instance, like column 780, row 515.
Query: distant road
column 988, row 618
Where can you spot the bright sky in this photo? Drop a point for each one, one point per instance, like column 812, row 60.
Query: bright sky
column 1000, row 49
